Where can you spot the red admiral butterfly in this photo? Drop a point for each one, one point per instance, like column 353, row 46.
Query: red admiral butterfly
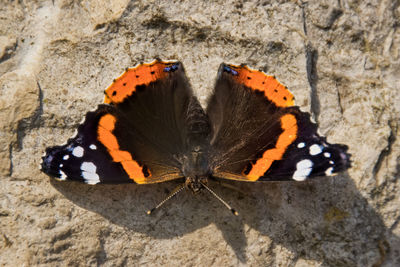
column 152, row 129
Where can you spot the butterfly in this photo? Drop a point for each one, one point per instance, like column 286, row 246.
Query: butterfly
column 151, row 129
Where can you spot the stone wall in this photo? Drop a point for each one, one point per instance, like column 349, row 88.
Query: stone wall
column 341, row 59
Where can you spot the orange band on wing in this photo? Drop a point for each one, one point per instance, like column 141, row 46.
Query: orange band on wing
column 287, row 137
column 125, row 85
column 108, row 139
column 258, row 80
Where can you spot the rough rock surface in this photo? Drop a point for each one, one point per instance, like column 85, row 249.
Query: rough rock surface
column 341, row 59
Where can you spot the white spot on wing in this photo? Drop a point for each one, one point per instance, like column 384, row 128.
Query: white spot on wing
column 89, row 173
column 88, row 167
column 66, row 157
column 78, row 151
column 91, row 178
column 301, row 145
column 315, row 149
column 93, row 147
column 303, row 169
column 329, row 171
column 63, row 176
column 331, row 162
column 327, row 155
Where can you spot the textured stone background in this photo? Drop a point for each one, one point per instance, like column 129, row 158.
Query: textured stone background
column 340, row 58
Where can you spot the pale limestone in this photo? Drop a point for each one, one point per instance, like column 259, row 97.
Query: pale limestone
column 341, row 59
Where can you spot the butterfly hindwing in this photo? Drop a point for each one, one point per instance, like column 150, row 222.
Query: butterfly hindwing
column 259, row 135
column 310, row 155
column 138, row 136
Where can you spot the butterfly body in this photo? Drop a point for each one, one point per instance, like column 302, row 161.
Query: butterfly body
column 152, row 129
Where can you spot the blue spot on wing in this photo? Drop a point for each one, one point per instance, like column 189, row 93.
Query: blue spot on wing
column 229, row 70
column 172, row 68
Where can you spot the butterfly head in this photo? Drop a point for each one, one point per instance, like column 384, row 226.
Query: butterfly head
column 196, row 184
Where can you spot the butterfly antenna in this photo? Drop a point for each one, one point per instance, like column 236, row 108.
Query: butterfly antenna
column 171, row 195
column 234, row 212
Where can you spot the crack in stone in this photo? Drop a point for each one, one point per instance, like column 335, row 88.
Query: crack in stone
column 204, row 33
column 339, row 99
column 386, row 151
column 394, row 225
column 383, row 248
column 303, row 13
column 10, row 52
column 36, row 120
column 311, row 68
column 333, row 16
column 10, row 172
column 312, row 77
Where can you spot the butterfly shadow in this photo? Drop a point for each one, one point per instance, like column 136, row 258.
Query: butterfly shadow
column 326, row 220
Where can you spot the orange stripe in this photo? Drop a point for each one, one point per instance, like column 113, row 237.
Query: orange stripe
column 287, row 137
column 125, row 85
column 106, row 137
column 258, row 80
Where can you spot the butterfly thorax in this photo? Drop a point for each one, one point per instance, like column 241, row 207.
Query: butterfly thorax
column 195, row 168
